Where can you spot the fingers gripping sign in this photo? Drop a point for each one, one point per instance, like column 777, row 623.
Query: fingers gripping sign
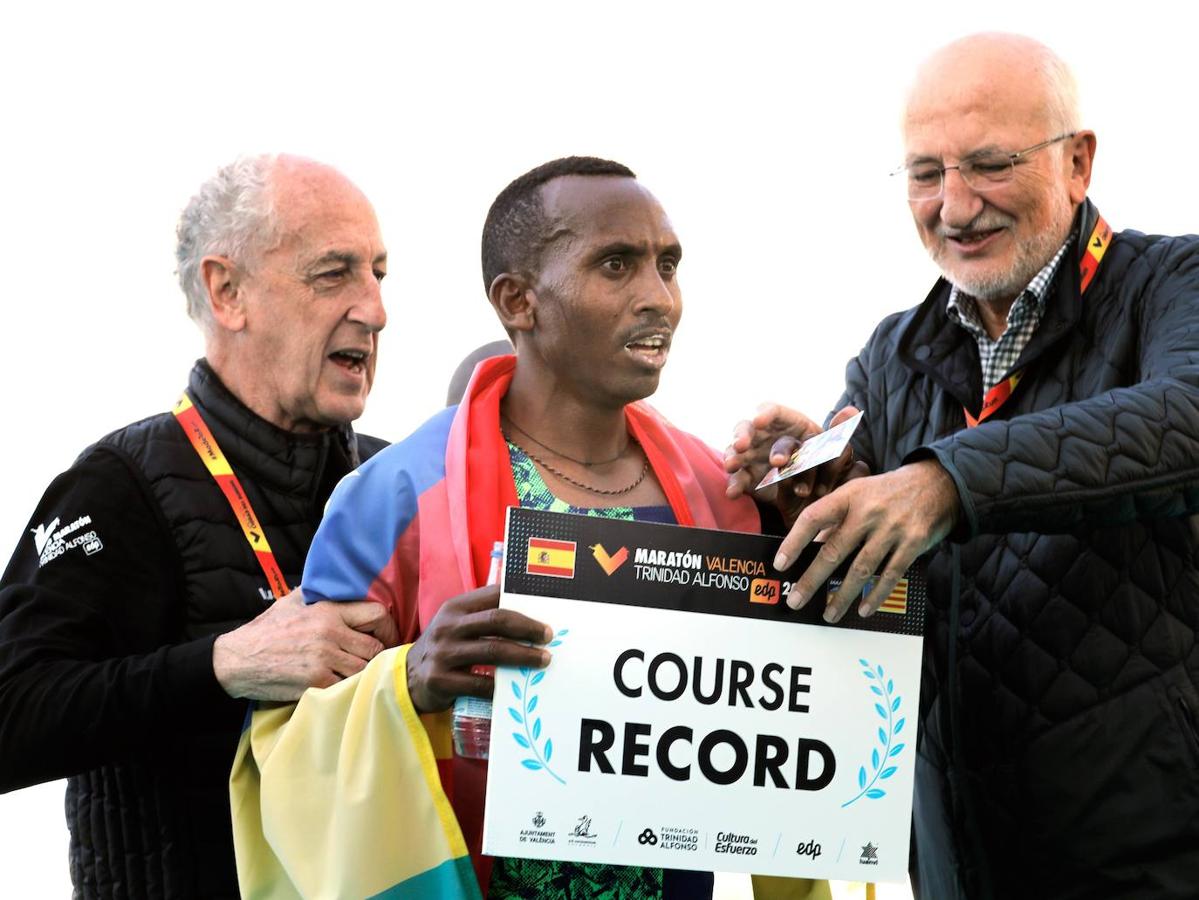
column 471, row 630
column 883, row 522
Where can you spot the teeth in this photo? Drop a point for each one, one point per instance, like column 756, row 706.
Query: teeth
column 352, row 354
column 654, row 342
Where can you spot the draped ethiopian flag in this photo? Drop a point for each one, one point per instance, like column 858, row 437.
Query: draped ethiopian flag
column 339, row 795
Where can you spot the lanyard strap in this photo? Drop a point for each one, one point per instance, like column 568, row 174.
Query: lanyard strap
column 218, row 467
column 1097, row 244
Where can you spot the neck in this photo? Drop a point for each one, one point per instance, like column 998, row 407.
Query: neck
column 994, row 315
column 558, row 419
column 251, row 384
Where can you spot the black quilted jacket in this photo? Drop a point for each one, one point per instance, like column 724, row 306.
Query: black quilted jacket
column 1060, row 703
column 106, row 637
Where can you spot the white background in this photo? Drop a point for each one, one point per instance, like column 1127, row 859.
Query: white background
column 766, row 130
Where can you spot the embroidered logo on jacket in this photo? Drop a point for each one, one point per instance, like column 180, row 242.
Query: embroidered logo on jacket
column 51, row 544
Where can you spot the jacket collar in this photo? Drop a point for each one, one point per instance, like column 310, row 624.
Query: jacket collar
column 262, row 453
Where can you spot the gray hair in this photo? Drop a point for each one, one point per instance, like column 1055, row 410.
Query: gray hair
column 1062, row 109
column 233, row 215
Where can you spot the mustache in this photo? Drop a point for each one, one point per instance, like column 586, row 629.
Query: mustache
column 658, row 326
column 988, row 220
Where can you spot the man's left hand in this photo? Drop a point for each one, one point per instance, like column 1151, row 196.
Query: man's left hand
column 892, row 518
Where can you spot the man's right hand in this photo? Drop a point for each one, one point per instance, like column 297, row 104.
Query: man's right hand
column 293, row 646
column 471, row 630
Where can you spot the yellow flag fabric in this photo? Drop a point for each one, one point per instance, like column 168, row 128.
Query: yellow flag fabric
column 338, row 796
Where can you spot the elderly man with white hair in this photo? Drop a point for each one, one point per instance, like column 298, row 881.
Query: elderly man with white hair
column 1033, row 425
column 141, row 604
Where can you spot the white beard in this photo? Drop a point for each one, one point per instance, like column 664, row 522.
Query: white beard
column 1030, row 257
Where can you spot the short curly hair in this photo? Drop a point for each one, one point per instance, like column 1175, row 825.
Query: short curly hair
column 517, row 229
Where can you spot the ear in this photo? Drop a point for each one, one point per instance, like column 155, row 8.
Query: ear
column 1079, row 154
column 514, row 301
column 227, row 302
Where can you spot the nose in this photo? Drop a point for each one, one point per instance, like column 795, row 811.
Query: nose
column 367, row 309
column 960, row 203
column 658, row 294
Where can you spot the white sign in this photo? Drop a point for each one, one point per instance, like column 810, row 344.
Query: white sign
column 690, row 720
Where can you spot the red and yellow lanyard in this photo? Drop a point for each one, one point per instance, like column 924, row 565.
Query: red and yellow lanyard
column 218, row 467
column 1097, row 244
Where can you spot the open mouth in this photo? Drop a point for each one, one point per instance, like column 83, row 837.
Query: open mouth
column 351, row 360
column 650, row 349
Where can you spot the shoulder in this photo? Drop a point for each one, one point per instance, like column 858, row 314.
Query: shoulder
column 102, row 500
column 421, row 454
column 1139, row 258
column 389, row 483
column 368, row 445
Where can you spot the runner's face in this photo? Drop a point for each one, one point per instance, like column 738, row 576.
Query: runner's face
column 608, row 298
column 314, row 308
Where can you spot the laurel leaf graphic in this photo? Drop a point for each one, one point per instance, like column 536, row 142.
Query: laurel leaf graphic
column 520, row 739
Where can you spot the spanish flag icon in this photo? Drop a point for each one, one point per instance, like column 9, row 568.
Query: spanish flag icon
column 549, row 557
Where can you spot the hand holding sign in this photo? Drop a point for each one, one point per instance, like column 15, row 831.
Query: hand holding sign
column 470, row 630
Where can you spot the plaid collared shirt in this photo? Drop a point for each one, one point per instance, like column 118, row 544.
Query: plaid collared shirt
column 997, row 357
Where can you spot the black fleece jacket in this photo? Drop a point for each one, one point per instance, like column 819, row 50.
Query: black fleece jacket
column 131, row 566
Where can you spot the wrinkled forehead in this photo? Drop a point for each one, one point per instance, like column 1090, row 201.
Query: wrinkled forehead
column 602, row 209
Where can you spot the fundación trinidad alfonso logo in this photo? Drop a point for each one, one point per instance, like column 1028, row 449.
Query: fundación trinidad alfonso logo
column 549, row 557
column 609, row 563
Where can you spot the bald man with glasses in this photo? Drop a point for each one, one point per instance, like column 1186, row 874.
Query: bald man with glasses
column 1033, row 427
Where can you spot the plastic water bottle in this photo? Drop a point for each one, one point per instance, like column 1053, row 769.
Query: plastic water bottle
column 472, row 715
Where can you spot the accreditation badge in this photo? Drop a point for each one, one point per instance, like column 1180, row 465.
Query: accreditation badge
column 689, row 718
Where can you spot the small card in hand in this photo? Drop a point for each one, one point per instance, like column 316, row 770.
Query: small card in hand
column 818, row 449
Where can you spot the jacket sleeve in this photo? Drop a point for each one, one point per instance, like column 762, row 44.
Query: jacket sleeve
column 87, row 607
column 1130, row 453
column 340, row 795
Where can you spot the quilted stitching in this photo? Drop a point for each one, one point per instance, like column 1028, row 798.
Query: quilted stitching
column 1080, row 570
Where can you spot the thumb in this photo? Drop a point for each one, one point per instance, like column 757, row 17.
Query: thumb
column 361, row 615
column 844, row 414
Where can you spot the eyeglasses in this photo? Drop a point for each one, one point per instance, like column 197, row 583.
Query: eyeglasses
column 984, row 172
